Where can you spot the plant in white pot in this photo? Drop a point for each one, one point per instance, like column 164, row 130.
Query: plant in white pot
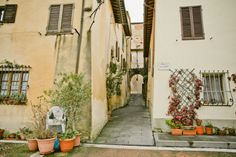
column 70, row 93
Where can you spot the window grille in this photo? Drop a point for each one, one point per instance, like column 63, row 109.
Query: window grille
column 216, row 88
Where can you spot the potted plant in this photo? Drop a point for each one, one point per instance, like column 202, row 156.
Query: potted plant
column 67, row 141
column 189, row 131
column 209, row 128
column 175, row 128
column 70, row 93
column 1, row 133
column 45, row 138
column 31, row 142
column 199, row 127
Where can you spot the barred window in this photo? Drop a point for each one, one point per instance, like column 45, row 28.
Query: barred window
column 216, row 89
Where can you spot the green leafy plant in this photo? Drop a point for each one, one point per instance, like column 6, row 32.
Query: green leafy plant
column 209, row 125
column 114, row 78
column 70, row 93
column 173, row 125
column 68, row 135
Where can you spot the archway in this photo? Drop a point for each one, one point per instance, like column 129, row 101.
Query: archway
column 136, row 84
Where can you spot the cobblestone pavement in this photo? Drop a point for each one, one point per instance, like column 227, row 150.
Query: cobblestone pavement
column 108, row 152
column 130, row 125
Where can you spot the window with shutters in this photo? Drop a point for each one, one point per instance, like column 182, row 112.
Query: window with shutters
column 191, row 19
column 60, row 18
column 8, row 13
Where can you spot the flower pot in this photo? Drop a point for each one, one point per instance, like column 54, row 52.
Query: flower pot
column 199, row 130
column 32, row 144
column 208, row 131
column 189, row 132
column 176, row 132
column 1, row 133
column 67, row 144
column 77, row 140
column 46, row 145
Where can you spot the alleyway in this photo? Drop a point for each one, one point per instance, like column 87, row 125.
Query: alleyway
column 130, row 125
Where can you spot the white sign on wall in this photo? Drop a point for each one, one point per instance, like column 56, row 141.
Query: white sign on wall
column 163, row 66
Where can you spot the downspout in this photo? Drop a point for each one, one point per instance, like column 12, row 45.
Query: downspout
column 80, row 37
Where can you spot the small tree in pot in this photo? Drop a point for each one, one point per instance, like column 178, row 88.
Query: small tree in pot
column 45, row 138
column 70, row 93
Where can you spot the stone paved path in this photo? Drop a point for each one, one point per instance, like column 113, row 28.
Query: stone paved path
column 130, row 125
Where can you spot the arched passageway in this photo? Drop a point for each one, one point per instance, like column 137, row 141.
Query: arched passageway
column 136, row 84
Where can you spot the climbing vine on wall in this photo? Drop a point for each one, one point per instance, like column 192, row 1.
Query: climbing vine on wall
column 185, row 96
column 114, row 78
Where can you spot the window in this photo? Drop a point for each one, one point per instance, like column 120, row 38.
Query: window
column 215, row 89
column 13, row 83
column 191, row 19
column 8, row 13
column 60, row 19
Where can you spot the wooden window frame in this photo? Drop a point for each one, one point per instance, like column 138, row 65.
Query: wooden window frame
column 59, row 26
column 193, row 37
column 20, row 81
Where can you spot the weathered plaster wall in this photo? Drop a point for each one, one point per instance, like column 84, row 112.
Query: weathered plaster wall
column 26, row 42
column 105, row 32
column 215, row 52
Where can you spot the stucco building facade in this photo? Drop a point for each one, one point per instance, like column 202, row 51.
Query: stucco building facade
column 51, row 37
column 192, row 34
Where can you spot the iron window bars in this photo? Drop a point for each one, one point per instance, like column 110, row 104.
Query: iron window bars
column 216, row 88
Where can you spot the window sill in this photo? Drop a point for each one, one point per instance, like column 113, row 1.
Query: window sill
column 12, row 102
column 193, row 38
column 60, row 33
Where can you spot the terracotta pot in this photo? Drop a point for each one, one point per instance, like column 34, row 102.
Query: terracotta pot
column 199, row 130
column 67, row 144
column 77, row 140
column 46, row 145
column 176, row 132
column 189, row 132
column 208, row 131
column 32, row 144
column 1, row 133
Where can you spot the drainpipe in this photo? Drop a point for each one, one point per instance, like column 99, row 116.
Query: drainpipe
column 80, row 37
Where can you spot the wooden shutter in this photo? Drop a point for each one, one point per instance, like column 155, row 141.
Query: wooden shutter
column 197, row 20
column 66, row 18
column 10, row 13
column 54, row 18
column 186, row 22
